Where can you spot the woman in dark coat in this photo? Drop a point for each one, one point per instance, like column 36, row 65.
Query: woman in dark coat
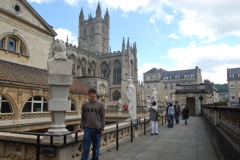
column 185, row 114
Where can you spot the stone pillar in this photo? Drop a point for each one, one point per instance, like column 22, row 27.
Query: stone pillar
column 59, row 80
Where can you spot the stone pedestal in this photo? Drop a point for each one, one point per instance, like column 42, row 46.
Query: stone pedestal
column 59, row 80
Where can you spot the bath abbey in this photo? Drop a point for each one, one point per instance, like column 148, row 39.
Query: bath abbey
column 96, row 65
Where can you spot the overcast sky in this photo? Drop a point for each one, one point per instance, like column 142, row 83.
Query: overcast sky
column 170, row 34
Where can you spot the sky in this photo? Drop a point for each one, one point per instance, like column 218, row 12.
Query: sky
column 170, row 34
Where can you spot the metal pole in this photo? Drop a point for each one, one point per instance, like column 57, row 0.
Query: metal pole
column 117, row 136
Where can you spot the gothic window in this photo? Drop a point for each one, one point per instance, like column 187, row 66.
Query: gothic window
column 13, row 44
column 93, row 68
column 5, row 105
column 85, row 32
column 73, row 104
column 36, row 104
column 116, row 72
column 132, row 70
column 104, row 69
column 116, row 95
column 84, row 67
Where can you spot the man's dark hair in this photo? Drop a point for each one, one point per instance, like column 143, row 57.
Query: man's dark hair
column 92, row 90
column 153, row 103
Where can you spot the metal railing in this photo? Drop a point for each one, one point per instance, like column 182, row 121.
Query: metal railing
column 47, row 146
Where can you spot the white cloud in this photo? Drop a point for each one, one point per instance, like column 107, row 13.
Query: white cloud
column 41, row 1
column 169, row 18
column 213, row 60
column 208, row 20
column 173, row 36
column 72, row 2
column 64, row 33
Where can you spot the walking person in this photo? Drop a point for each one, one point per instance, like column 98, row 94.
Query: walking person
column 92, row 123
column 177, row 112
column 185, row 114
column 154, row 118
column 168, row 118
column 171, row 113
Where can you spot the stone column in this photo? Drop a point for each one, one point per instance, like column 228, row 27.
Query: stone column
column 59, row 80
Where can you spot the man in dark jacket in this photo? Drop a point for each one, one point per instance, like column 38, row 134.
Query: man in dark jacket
column 177, row 112
column 168, row 118
column 185, row 113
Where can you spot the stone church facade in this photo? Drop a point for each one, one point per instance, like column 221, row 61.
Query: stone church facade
column 96, row 65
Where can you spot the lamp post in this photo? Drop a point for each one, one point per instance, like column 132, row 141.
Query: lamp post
column 201, row 99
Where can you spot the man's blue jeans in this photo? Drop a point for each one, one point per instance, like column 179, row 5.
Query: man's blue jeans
column 91, row 135
column 177, row 119
column 171, row 120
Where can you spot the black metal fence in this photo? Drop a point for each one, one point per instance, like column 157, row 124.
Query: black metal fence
column 49, row 148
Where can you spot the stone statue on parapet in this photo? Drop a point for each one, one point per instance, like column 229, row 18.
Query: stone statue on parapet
column 166, row 98
column 131, row 95
column 154, row 95
column 59, row 50
column 148, row 102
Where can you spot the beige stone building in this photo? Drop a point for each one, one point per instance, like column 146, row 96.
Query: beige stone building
column 233, row 78
column 165, row 82
column 184, row 86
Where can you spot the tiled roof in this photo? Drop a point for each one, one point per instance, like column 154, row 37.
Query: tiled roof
column 21, row 75
column 153, row 70
column 181, row 73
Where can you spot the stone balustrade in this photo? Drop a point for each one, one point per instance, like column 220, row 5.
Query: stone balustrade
column 27, row 146
column 224, row 126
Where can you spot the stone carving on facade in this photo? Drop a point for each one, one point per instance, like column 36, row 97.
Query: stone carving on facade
column 165, row 98
column 59, row 50
column 154, row 95
column 148, row 102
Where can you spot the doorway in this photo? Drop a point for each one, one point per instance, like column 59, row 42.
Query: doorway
column 191, row 105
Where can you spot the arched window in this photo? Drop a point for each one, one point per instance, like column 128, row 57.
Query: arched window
column 116, row 72
column 93, row 67
column 116, row 95
column 73, row 105
column 104, row 69
column 36, row 104
column 132, row 69
column 84, row 66
column 5, row 105
column 13, row 44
